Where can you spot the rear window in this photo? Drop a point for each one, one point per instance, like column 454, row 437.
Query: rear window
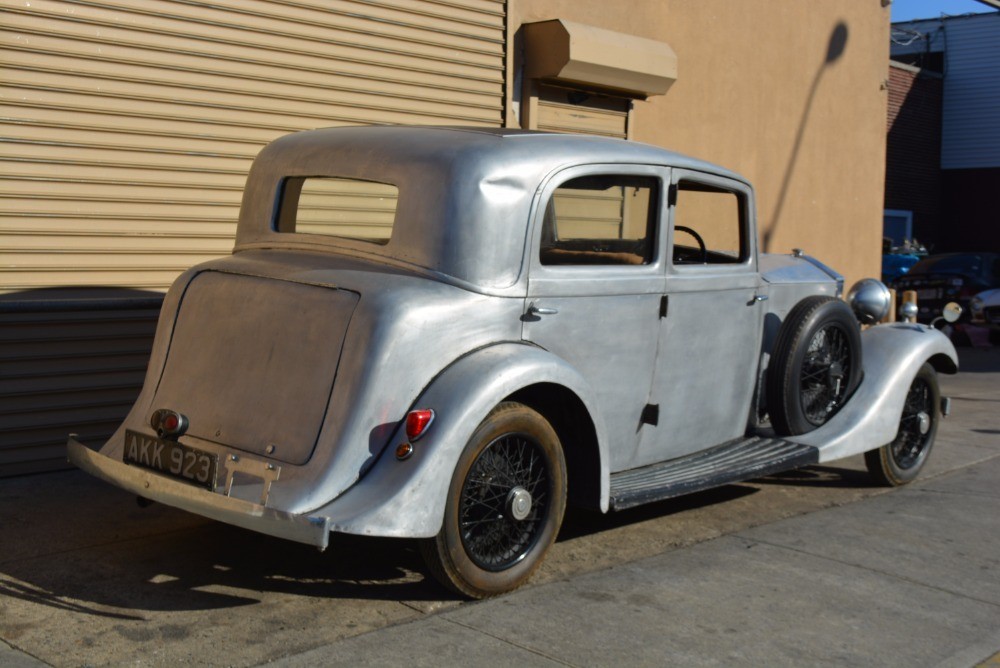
column 337, row 207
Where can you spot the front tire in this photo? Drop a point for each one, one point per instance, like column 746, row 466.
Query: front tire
column 505, row 505
column 900, row 461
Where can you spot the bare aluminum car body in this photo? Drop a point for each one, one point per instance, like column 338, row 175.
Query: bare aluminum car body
column 297, row 359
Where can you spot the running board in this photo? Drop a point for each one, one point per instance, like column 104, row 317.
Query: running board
column 741, row 459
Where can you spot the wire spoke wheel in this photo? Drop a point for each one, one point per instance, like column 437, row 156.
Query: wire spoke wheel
column 822, row 381
column 505, row 505
column 504, row 502
column 900, row 461
column 914, row 425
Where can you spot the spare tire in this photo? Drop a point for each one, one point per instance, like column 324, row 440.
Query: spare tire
column 815, row 365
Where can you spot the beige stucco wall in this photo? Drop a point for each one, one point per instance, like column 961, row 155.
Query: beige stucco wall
column 760, row 92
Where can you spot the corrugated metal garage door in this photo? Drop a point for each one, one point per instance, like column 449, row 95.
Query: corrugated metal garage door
column 76, row 370
column 128, row 130
column 562, row 110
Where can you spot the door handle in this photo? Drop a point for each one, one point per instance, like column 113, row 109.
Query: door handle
column 760, row 298
column 541, row 310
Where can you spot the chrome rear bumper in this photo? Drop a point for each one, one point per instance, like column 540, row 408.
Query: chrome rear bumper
column 150, row 485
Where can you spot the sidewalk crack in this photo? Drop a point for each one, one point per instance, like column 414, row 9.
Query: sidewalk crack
column 507, row 641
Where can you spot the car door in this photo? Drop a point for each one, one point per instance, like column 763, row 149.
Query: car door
column 710, row 335
column 596, row 278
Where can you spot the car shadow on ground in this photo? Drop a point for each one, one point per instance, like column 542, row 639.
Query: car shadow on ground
column 580, row 522
column 120, row 561
column 820, row 476
column 216, row 566
column 72, row 542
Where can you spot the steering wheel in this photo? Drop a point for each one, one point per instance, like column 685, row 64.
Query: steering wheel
column 697, row 237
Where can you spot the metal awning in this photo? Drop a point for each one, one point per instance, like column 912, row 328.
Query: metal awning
column 560, row 51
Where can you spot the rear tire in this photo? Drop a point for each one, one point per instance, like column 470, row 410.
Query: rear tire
column 505, row 505
column 900, row 461
column 815, row 365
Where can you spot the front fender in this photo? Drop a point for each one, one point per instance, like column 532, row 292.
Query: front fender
column 407, row 498
column 892, row 356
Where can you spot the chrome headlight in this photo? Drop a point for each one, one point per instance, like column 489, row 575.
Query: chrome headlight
column 870, row 300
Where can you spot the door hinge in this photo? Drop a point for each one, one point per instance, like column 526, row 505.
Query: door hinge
column 650, row 414
column 664, row 301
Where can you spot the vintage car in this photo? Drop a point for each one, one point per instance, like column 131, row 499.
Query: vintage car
column 448, row 334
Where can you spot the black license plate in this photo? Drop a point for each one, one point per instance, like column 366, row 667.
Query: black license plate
column 171, row 458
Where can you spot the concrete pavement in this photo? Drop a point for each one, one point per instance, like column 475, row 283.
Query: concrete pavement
column 909, row 578
column 809, row 568
column 906, row 578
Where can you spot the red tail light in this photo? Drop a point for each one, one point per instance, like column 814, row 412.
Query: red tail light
column 168, row 423
column 417, row 423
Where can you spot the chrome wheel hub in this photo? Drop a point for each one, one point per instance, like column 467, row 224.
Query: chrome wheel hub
column 518, row 503
column 923, row 422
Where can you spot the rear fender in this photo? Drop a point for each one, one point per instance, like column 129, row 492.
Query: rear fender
column 892, row 354
column 407, row 498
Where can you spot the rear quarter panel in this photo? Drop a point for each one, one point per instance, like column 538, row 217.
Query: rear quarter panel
column 407, row 498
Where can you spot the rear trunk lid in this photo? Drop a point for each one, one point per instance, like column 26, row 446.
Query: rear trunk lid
column 252, row 362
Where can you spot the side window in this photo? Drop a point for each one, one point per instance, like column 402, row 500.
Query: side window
column 709, row 225
column 337, row 207
column 606, row 219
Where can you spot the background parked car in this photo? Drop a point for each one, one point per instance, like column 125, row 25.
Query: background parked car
column 895, row 265
column 985, row 310
column 897, row 259
column 949, row 277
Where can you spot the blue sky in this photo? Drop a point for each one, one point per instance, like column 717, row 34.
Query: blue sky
column 906, row 10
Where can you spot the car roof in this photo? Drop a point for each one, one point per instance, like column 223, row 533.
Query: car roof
column 431, row 144
column 461, row 189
